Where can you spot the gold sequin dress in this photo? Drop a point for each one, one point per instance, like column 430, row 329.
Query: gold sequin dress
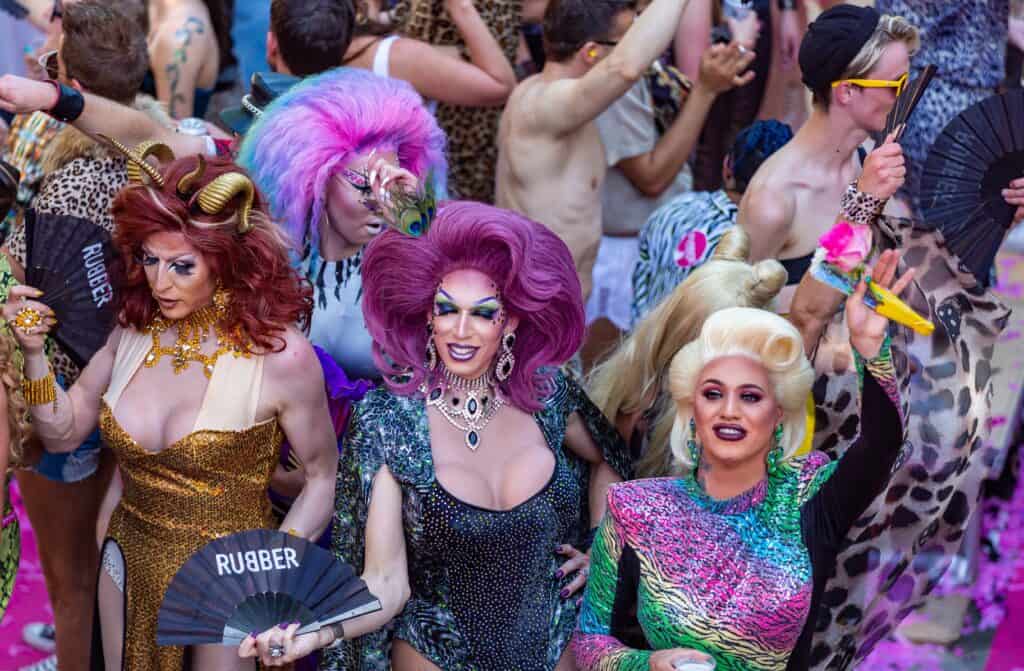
column 210, row 483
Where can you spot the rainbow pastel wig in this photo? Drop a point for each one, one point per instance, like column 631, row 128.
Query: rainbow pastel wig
column 535, row 275
column 308, row 134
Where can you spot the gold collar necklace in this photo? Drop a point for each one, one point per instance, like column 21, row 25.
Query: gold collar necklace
column 193, row 331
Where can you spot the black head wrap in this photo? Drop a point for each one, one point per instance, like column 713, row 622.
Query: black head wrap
column 832, row 41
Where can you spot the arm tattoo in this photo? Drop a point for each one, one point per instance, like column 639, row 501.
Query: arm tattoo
column 182, row 39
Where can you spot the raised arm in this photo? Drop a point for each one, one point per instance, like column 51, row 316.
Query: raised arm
column 64, row 419
column 486, row 80
column 693, row 37
column 297, row 378
column 99, row 116
column 176, row 56
column 814, row 304
column 570, row 103
column 721, row 69
column 865, row 469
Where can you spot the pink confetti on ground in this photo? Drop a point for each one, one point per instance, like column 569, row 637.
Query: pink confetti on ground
column 29, row 603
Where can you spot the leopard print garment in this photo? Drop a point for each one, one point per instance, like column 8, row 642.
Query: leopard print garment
column 84, row 186
column 472, row 131
column 905, row 541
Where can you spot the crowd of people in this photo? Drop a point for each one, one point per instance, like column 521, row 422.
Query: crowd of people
column 510, row 306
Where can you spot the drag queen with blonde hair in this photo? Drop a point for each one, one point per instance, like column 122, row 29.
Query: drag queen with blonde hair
column 630, row 387
column 729, row 560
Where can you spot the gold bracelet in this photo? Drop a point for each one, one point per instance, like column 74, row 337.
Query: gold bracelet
column 41, row 391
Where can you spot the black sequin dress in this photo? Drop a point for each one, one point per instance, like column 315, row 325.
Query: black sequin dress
column 484, row 592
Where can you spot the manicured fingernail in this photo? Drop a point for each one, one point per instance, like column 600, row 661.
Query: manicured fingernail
column 296, row 622
column 559, row 573
column 564, row 593
column 282, row 626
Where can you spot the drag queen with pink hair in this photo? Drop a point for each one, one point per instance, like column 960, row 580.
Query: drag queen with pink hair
column 469, row 483
column 320, row 154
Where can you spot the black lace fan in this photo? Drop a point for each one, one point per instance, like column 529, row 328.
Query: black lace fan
column 254, row 580
column 69, row 259
column 974, row 158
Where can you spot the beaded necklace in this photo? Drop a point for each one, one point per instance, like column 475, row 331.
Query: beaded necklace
column 473, row 404
column 193, row 331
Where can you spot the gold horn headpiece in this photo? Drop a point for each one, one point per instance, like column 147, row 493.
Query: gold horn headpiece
column 137, row 165
column 190, row 178
column 217, row 194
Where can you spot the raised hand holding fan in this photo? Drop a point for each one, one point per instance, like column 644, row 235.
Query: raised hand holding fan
column 255, row 580
column 906, row 102
column 69, row 259
column 974, row 158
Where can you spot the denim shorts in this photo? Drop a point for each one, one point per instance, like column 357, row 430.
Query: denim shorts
column 72, row 466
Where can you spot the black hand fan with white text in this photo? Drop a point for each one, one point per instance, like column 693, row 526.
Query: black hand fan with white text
column 974, row 158
column 254, row 580
column 69, row 259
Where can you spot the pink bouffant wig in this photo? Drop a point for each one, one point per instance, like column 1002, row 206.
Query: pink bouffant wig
column 534, row 272
column 307, row 135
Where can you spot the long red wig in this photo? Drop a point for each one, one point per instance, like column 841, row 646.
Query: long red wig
column 267, row 293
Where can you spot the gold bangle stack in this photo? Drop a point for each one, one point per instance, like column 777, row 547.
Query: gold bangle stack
column 41, row 391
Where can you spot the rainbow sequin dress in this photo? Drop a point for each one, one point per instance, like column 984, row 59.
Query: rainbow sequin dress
column 736, row 579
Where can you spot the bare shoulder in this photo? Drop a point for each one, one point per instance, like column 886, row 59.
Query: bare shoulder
column 765, row 203
column 296, row 363
column 524, row 106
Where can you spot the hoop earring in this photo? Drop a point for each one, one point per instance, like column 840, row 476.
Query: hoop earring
column 775, row 454
column 431, row 348
column 691, row 445
column 507, row 360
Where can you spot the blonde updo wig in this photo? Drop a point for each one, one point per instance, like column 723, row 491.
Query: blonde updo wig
column 635, row 376
column 762, row 336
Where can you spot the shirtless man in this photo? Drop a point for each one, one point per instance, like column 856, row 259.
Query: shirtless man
column 551, row 162
column 794, row 198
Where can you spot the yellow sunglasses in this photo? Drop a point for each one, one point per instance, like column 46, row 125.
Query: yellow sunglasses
column 876, row 83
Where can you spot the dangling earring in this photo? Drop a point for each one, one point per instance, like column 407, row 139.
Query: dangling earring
column 774, row 459
column 507, row 360
column 221, row 300
column 691, row 444
column 431, row 349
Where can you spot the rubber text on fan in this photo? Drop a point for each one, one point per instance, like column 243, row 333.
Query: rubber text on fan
column 254, row 561
column 96, row 271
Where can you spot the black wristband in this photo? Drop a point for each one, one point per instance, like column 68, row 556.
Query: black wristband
column 70, row 103
column 786, row 4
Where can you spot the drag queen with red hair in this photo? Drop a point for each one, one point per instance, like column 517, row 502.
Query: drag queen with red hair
column 193, row 391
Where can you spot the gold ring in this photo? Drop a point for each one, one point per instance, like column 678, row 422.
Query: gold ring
column 28, row 318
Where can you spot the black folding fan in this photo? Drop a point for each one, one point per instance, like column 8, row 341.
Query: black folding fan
column 69, row 259
column 907, row 102
column 974, row 158
column 254, row 580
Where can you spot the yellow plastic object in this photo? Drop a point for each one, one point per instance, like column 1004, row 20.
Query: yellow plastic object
column 808, row 442
column 889, row 305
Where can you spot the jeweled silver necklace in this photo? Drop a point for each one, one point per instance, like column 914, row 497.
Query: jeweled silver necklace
column 473, row 404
